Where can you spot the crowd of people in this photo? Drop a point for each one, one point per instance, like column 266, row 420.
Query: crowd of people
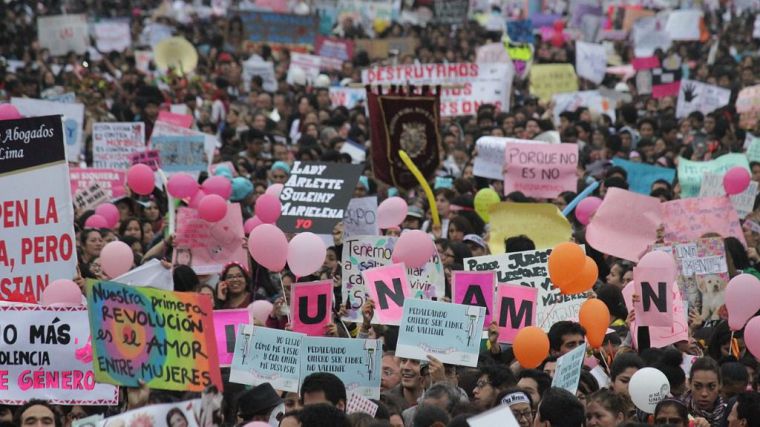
column 263, row 132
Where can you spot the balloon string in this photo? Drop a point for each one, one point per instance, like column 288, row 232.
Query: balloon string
column 284, row 296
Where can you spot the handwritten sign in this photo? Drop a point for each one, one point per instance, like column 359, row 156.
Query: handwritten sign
column 167, row 129
column 181, row 153
column 90, row 197
column 516, row 308
column 181, row 120
column 548, row 79
column 113, row 143
column 689, row 219
column 311, row 307
column 265, row 355
column 63, row 33
column 591, row 99
column 702, row 97
column 226, row 324
column 163, row 338
column 151, row 158
column 541, row 222
column 568, row 370
column 591, row 61
column 690, row 173
column 43, row 357
column 361, row 218
column 357, row 362
column 475, row 288
column 712, row 185
column 489, row 162
column 110, row 180
column 112, row 35
column 388, row 288
column 450, row 12
column 37, row 240
column 348, row 97
column 540, row 170
column 641, row 176
column 208, row 246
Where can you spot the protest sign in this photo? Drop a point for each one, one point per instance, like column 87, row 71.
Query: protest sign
column 90, row 197
column 112, row 35
column 363, row 252
column 520, row 31
column 641, row 176
column 176, row 119
column 483, row 83
column 264, row 69
column 475, row 288
column 280, row 28
column 656, row 306
column 450, row 12
column 151, row 158
column 226, row 325
column 489, row 161
column 41, row 358
column 590, row 61
column 73, row 120
column 37, row 241
column 501, row 416
column 567, row 374
column 114, row 143
column 265, row 355
column 348, row 97
column 183, row 414
column 181, row 153
column 591, row 99
column 330, row 47
column 516, row 308
column 684, row 24
column 540, row 170
column 388, row 287
column 316, row 195
column 311, row 307
column 449, row 332
column 624, row 216
column 542, row 222
column 163, row 338
column 522, row 57
column 110, row 180
column 661, row 336
column 361, row 218
column 66, row 98
column 702, row 97
column 151, row 273
column 90, row 421
column 753, row 147
column 690, row 172
column 357, row 362
column 491, row 53
column 358, row 403
column 308, row 65
column 748, row 100
column 167, row 129
column 61, row 34
column 712, row 186
column 529, row 268
column 548, row 79
column 690, row 219
column 208, row 246
column 379, row 49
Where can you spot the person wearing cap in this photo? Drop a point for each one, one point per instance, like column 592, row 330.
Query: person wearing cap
column 477, row 245
column 413, row 220
column 257, row 404
column 279, row 172
column 519, row 403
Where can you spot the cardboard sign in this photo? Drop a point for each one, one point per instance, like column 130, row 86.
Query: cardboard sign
column 357, row 362
column 449, row 332
column 540, row 170
column 44, row 351
column 702, row 97
column 568, row 370
column 207, row 247
column 280, row 28
column 690, row 219
column 151, row 158
column 90, row 197
column 684, row 24
column 516, row 308
column 181, row 120
column 363, row 252
column 477, row 289
column 641, row 176
column 110, row 180
column 489, row 162
column 311, row 307
column 114, row 143
column 112, row 35
column 37, row 240
column 183, row 413
column 361, row 218
column 63, row 33
column 265, row 355
column 388, row 288
column 450, row 12
column 542, row 222
column 690, row 173
column 662, row 336
column 520, row 31
column 548, row 79
column 73, row 120
column 226, row 325
column 529, row 268
column 167, row 129
column 163, row 338
column 486, row 83
column 181, row 153
column 316, row 195
column 656, row 305
column 329, row 47
column 712, row 186
column 591, row 61
column 348, row 97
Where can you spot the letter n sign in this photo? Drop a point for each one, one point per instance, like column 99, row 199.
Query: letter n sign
column 656, row 306
column 388, row 287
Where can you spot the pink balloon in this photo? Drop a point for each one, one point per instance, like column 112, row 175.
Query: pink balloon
column 96, row 221
column 414, row 248
column 752, row 336
column 116, row 258
column 260, row 310
column 661, row 260
column 391, row 212
column 250, row 224
column 110, row 212
column 275, row 189
column 218, row 185
column 306, row 253
column 212, row 208
column 9, row 112
column 742, row 300
column 268, row 208
column 182, row 185
column 586, row 208
column 195, row 200
column 140, row 179
column 268, row 247
column 736, row 180
column 61, row 292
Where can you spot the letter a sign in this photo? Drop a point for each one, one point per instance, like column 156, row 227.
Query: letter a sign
column 475, row 288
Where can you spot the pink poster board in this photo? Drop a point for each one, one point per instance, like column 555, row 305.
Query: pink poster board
column 226, row 323
column 311, row 307
column 515, row 309
column 540, row 170
column 475, row 288
column 388, row 287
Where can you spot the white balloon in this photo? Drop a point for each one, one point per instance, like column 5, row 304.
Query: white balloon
column 648, row 386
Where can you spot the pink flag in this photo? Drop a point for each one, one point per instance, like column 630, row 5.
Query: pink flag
column 388, row 287
column 226, row 324
column 515, row 309
column 475, row 288
column 540, row 170
column 656, row 305
column 311, row 306
column 181, row 120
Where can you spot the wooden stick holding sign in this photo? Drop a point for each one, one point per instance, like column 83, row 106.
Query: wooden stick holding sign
column 388, row 286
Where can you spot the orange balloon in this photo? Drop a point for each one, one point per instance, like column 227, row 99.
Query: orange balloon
column 584, row 281
column 565, row 263
column 595, row 318
column 531, row 346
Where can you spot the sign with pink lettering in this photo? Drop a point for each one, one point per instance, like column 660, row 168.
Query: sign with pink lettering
column 226, row 324
column 112, row 181
column 311, row 307
column 181, row 120
column 46, row 355
column 656, row 305
column 515, row 309
column 475, row 288
column 208, row 246
column 540, row 170
column 388, row 287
